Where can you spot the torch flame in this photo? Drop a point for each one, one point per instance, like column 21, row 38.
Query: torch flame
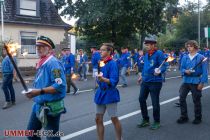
column 170, row 59
column 101, row 64
column 12, row 48
column 74, row 76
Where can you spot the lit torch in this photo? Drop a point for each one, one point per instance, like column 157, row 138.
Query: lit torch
column 100, row 64
column 11, row 49
column 168, row 59
column 74, row 76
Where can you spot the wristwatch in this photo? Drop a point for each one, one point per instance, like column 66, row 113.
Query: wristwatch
column 42, row 91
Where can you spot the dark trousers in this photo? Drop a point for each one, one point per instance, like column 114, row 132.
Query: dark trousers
column 82, row 69
column 35, row 124
column 196, row 96
column 7, row 87
column 154, row 89
column 70, row 83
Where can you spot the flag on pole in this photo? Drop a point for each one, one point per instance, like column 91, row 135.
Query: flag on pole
column 207, row 32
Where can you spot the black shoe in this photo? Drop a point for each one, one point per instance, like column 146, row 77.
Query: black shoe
column 76, row 91
column 197, row 121
column 13, row 103
column 124, row 85
column 177, row 104
column 182, row 120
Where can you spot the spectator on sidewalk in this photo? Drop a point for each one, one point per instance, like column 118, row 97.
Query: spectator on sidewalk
column 7, row 85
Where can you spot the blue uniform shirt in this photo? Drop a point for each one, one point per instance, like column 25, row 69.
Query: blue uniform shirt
column 108, row 93
column 200, row 75
column 124, row 60
column 150, row 63
column 69, row 63
column 95, row 59
column 7, row 66
column 140, row 63
column 83, row 59
column 52, row 74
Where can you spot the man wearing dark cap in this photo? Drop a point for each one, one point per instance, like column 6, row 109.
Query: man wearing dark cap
column 49, row 91
column 194, row 72
column 151, row 82
column 69, row 62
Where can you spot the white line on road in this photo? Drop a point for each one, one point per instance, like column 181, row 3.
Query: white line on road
column 78, row 133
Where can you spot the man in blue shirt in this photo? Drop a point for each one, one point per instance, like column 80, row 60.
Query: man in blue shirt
column 49, row 91
column 124, row 62
column 151, row 81
column 82, row 65
column 69, row 64
column 194, row 73
column 7, row 87
column 95, row 60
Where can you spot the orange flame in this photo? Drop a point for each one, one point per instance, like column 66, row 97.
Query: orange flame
column 74, row 76
column 170, row 59
column 101, row 64
column 12, row 48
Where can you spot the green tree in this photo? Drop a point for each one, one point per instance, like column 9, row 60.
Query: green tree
column 116, row 21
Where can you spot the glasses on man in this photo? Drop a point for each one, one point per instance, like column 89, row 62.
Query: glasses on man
column 103, row 50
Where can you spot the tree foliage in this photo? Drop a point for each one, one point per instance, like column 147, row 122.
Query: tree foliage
column 115, row 21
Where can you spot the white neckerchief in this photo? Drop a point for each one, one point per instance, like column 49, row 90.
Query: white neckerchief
column 192, row 56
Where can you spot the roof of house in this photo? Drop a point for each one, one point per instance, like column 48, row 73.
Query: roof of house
column 48, row 15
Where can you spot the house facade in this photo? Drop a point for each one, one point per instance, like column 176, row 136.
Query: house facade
column 24, row 20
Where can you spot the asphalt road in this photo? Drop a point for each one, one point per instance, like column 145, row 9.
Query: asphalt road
column 78, row 123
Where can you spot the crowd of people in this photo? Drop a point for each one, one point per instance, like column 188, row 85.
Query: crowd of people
column 54, row 78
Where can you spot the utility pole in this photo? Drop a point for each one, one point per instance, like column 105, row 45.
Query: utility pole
column 199, row 23
column 2, row 20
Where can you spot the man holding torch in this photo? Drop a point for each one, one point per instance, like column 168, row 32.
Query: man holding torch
column 107, row 95
column 151, row 81
column 194, row 72
column 49, row 90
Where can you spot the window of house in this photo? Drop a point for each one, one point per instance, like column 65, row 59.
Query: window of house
column 28, row 42
column 28, row 7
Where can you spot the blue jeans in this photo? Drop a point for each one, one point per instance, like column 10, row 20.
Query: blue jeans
column 7, row 87
column 52, row 125
column 122, row 74
column 154, row 89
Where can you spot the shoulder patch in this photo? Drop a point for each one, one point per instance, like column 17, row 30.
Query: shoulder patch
column 57, row 73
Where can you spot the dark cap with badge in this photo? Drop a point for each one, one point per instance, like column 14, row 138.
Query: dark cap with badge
column 66, row 49
column 45, row 41
column 150, row 39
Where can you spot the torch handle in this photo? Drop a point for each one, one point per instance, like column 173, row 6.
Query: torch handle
column 162, row 63
column 198, row 64
column 99, row 69
column 16, row 68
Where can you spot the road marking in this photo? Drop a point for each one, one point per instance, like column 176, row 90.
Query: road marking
column 85, row 90
column 86, row 130
column 173, row 77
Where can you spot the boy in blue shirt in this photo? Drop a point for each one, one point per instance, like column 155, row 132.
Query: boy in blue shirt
column 194, row 73
column 107, row 95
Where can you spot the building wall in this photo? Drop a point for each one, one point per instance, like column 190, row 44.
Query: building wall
column 12, row 31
